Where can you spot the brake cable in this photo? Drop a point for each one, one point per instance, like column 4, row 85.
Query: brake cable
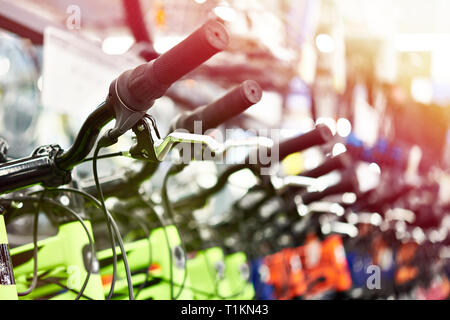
column 99, row 205
column 107, row 221
column 75, row 215
column 35, row 249
column 168, row 209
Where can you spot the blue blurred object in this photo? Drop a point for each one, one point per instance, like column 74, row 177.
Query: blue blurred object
column 263, row 291
column 353, row 141
column 358, row 264
column 382, row 146
column 382, row 153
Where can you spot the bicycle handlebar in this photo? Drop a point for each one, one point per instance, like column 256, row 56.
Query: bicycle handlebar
column 133, row 93
column 348, row 183
column 321, row 134
column 342, row 161
column 138, row 88
column 318, row 136
column 230, row 105
column 384, row 201
column 130, row 96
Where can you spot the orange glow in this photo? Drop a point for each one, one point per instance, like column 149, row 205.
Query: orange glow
column 160, row 14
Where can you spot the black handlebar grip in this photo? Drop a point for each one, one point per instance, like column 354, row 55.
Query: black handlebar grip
column 230, row 105
column 342, row 161
column 320, row 135
column 138, row 88
column 348, row 183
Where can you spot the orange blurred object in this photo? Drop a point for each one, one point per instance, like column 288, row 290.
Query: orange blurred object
column 278, row 275
column 160, row 14
column 296, row 277
column 107, row 280
column 310, row 270
column 332, row 271
column 406, row 271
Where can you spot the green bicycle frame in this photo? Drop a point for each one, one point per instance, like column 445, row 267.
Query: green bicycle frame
column 237, row 273
column 203, row 282
column 62, row 258
column 218, row 277
column 138, row 253
column 207, row 274
column 8, row 290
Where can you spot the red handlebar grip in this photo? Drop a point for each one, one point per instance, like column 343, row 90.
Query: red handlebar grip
column 342, row 161
column 138, row 88
column 230, row 105
column 210, row 39
column 320, row 135
column 347, row 184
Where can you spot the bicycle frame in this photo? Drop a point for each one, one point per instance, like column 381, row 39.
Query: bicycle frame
column 237, row 272
column 159, row 275
column 67, row 265
column 51, row 167
column 138, row 253
column 65, row 257
column 207, row 280
column 8, row 290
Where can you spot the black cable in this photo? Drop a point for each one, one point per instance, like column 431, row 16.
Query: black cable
column 143, row 224
column 168, row 209
column 119, row 239
column 170, row 248
column 217, row 282
column 209, row 295
column 166, row 236
column 208, row 193
column 99, row 205
column 59, row 284
column 208, row 264
column 108, row 225
column 146, row 230
column 221, row 183
column 35, row 249
column 214, row 279
column 105, row 156
column 74, row 214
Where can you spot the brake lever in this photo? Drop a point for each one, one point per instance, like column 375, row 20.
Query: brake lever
column 151, row 147
column 163, row 146
column 282, row 184
column 260, row 142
